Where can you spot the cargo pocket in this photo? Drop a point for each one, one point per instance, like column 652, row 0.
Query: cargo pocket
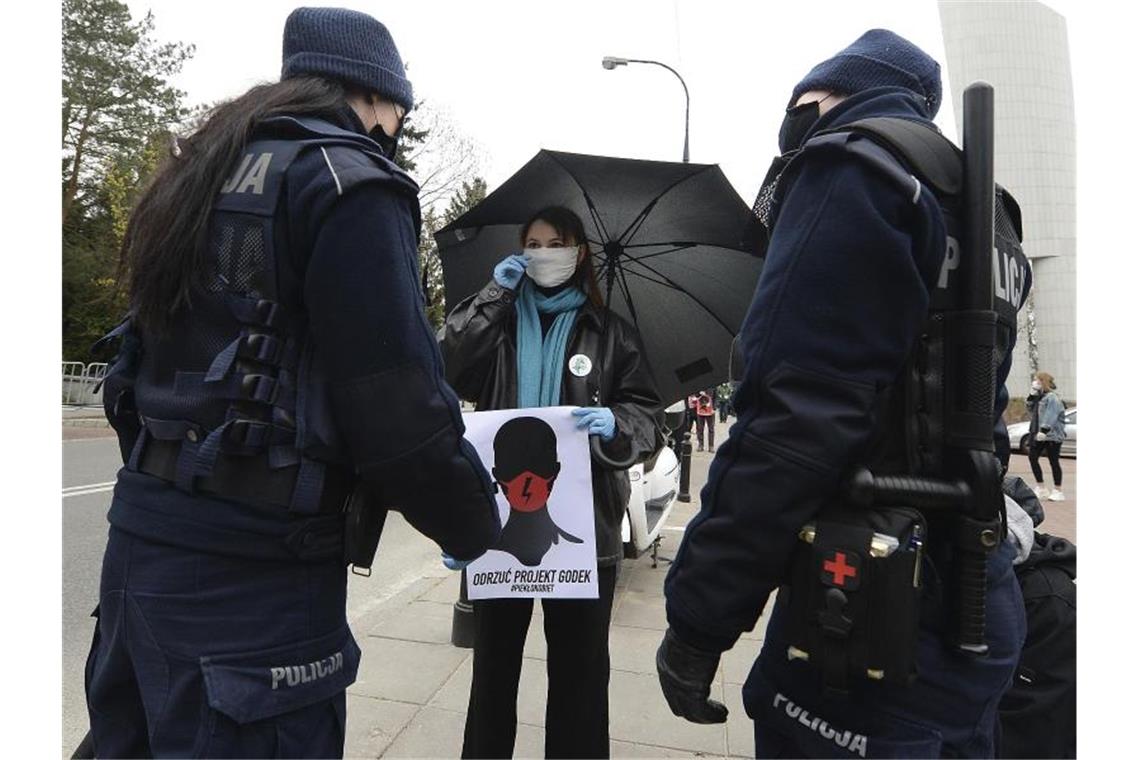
column 282, row 702
column 782, row 722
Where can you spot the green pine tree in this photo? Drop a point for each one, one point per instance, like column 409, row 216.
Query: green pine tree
column 116, row 90
column 118, row 104
column 461, row 201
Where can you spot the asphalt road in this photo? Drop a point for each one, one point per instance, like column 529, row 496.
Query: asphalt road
column 89, row 468
column 86, row 462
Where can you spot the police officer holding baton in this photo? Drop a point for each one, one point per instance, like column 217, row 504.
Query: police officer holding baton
column 863, row 480
column 274, row 308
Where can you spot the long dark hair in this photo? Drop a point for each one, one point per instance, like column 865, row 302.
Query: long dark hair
column 569, row 227
column 165, row 245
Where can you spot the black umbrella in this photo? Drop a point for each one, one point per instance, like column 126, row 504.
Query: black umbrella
column 674, row 245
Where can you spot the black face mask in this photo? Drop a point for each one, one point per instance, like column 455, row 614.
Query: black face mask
column 387, row 143
column 797, row 123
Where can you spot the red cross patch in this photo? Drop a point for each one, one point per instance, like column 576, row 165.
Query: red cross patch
column 840, row 569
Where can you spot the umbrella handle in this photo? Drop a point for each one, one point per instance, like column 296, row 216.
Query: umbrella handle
column 600, row 456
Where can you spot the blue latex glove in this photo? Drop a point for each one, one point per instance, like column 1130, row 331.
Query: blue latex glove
column 509, row 272
column 451, row 563
column 598, row 419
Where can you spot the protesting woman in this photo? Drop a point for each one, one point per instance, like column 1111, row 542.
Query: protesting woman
column 538, row 335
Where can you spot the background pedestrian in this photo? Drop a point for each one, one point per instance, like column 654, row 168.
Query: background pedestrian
column 1046, row 432
column 706, row 419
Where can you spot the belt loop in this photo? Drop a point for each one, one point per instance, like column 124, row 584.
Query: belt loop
column 185, row 466
column 137, row 449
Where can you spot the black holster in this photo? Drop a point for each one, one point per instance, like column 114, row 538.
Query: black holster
column 363, row 524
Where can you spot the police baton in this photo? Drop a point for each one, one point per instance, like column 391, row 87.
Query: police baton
column 971, row 398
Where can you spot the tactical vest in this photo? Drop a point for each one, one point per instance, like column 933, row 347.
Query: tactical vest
column 912, row 155
column 854, row 588
column 232, row 400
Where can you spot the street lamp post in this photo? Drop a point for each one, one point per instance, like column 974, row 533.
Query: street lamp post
column 609, row 63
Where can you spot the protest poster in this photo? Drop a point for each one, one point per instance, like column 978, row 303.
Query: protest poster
column 540, row 462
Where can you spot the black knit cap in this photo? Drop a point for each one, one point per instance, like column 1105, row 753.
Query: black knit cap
column 345, row 45
column 879, row 58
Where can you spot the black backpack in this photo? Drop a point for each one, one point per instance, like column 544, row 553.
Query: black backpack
column 1039, row 712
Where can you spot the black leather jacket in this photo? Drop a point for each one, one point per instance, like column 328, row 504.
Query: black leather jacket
column 479, row 356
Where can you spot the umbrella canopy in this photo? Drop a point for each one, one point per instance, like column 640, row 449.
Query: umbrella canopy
column 674, row 246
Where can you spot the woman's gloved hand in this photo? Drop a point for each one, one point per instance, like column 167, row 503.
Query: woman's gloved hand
column 451, row 563
column 509, row 272
column 598, row 419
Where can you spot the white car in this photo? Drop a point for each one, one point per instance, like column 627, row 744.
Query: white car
column 653, row 489
column 1019, row 435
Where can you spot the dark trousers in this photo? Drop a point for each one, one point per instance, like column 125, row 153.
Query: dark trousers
column 577, row 670
column 703, row 423
column 198, row 655
column 1051, row 449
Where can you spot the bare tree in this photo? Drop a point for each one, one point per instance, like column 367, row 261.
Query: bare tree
column 1029, row 315
column 445, row 160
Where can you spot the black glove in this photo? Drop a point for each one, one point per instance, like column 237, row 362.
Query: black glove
column 686, row 674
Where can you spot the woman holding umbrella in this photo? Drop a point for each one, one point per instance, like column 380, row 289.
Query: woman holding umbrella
column 539, row 335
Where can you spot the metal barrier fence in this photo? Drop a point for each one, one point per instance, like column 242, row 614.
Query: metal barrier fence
column 80, row 382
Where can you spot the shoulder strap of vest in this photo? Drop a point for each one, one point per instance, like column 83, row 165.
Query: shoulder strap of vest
column 278, row 141
column 1011, row 208
column 314, row 131
column 923, row 149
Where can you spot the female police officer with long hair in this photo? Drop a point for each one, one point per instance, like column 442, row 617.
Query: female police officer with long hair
column 274, row 303
column 538, row 335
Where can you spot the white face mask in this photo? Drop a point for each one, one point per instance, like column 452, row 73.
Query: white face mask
column 550, row 267
column 1036, row 385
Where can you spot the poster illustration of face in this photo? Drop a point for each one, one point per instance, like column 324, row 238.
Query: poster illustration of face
column 540, row 463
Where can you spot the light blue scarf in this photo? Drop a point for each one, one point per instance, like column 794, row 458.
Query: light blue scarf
column 540, row 359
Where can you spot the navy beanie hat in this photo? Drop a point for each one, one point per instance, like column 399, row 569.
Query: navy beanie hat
column 345, row 45
column 878, row 59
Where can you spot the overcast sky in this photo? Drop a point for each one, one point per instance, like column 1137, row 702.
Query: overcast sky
column 519, row 76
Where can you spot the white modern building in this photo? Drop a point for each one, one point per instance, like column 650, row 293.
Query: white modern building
column 1022, row 49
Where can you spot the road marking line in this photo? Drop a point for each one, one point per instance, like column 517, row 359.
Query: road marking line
column 674, row 528
column 88, row 489
column 89, row 485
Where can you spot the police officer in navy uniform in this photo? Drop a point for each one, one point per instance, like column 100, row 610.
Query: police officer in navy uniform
column 854, row 263
column 275, row 309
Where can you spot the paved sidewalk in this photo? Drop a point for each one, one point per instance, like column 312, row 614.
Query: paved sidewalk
column 1060, row 516
column 410, row 697
column 84, row 417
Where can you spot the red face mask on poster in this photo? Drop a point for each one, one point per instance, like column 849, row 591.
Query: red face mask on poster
column 527, row 492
